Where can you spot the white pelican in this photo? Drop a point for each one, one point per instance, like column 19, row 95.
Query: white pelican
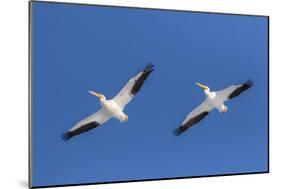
column 111, row 108
column 213, row 100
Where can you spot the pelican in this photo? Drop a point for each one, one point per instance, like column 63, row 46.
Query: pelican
column 214, row 99
column 112, row 108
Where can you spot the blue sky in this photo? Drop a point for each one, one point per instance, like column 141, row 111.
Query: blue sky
column 80, row 48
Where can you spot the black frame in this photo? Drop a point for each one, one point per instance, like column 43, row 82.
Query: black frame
column 139, row 180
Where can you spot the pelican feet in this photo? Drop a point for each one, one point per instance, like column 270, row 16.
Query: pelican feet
column 224, row 109
column 124, row 118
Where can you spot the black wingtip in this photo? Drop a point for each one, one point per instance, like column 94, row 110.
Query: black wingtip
column 149, row 67
column 66, row 136
column 178, row 131
column 245, row 86
column 249, row 83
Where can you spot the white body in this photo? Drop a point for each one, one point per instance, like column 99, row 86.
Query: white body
column 214, row 101
column 112, row 108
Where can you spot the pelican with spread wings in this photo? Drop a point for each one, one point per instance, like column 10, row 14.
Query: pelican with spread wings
column 112, row 108
column 214, row 99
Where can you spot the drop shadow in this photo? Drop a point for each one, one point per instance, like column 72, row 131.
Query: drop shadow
column 23, row 183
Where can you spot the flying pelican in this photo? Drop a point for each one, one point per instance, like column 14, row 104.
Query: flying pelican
column 214, row 99
column 111, row 108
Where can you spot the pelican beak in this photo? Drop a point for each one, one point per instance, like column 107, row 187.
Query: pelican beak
column 95, row 94
column 202, row 86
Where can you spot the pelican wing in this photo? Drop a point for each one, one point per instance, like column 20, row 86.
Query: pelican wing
column 233, row 90
column 90, row 122
column 193, row 117
column 132, row 87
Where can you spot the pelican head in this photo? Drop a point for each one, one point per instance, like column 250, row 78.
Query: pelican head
column 204, row 87
column 100, row 96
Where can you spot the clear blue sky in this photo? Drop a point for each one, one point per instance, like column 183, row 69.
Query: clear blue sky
column 80, row 48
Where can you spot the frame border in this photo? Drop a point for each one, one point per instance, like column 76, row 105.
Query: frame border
column 137, row 180
column 29, row 94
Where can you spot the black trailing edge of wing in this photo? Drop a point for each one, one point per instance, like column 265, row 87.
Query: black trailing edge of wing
column 178, row 131
column 241, row 89
column 139, row 82
column 84, row 128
